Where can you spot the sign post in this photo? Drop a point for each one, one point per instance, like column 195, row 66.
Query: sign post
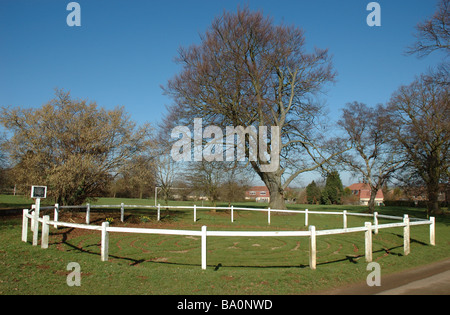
column 37, row 192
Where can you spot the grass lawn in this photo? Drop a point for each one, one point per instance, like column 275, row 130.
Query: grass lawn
column 170, row 264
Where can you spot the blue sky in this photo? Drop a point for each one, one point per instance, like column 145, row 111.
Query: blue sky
column 124, row 50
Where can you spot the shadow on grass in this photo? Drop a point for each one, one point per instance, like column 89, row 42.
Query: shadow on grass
column 353, row 259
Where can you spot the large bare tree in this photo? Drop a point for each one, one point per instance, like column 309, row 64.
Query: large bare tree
column 72, row 146
column 434, row 33
column 420, row 121
column 374, row 155
column 249, row 72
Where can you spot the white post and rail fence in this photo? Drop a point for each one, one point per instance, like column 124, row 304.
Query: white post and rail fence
column 204, row 233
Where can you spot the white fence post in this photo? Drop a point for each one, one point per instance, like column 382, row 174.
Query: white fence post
column 312, row 247
column 406, row 236
column 159, row 212
column 105, row 241
column 368, row 241
column 433, row 231
column 25, row 225
column 56, row 215
column 195, row 213
column 268, row 216
column 105, row 229
column 33, row 211
column 88, row 213
column 121, row 211
column 36, row 222
column 204, row 228
column 45, row 231
column 375, row 221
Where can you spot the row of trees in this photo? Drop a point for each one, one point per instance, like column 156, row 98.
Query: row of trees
column 331, row 193
column 82, row 151
column 246, row 72
column 249, row 72
column 215, row 181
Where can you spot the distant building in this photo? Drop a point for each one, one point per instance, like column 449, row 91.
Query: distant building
column 362, row 192
column 258, row 193
column 418, row 194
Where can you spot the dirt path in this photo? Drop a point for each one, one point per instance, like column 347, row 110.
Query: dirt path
column 433, row 279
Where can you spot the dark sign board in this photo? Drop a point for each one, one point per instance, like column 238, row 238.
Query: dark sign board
column 38, row 191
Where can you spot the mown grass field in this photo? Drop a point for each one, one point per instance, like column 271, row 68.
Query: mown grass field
column 168, row 264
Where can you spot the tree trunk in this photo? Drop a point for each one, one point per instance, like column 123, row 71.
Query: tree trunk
column 277, row 199
column 373, row 194
column 273, row 183
column 433, row 202
column 432, row 184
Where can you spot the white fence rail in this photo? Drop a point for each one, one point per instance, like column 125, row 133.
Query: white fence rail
column 312, row 233
column 307, row 212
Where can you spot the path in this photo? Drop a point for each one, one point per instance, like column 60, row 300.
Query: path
column 433, row 279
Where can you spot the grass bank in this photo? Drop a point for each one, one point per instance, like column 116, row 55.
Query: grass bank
column 167, row 264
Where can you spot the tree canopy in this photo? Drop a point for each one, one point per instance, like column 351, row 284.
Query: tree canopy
column 72, row 146
column 249, row 72
column 333, row 189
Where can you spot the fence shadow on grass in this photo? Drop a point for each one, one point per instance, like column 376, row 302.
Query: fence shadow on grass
column 412, row 240
column 84, row 249
column 64, row 233
column 354, row 259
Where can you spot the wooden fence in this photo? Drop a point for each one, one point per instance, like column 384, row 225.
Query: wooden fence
column 312, row 233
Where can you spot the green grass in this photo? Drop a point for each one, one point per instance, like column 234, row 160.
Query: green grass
column 19, row 202
column 168, row 264
column 14, row 202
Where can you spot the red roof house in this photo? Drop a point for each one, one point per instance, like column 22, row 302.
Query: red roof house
column 362, row 191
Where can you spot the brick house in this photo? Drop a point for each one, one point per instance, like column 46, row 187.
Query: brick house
column 258, row 193
column 362, row 192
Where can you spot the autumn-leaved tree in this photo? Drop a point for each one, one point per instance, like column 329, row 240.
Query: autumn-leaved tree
column 249, row 72
column 72, row 146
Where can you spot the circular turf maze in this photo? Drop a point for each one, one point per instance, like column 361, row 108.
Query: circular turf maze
column 233, row 251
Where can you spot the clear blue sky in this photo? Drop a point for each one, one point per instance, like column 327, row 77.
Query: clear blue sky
column 124, row 50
